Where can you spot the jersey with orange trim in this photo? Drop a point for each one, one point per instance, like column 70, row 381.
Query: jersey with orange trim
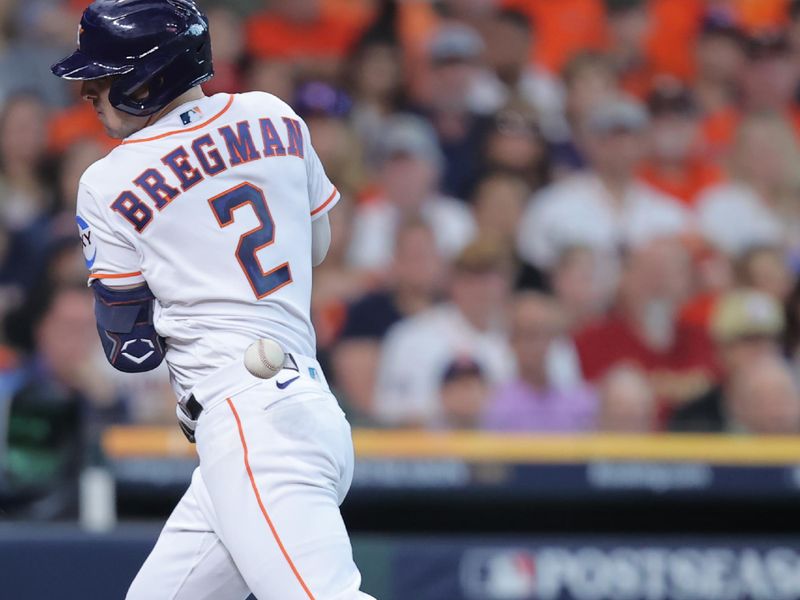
column 212, row 207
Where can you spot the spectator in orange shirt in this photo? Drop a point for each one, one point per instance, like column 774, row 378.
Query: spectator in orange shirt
column 758, row 15
column 675, row 165
column 671, row 44
column 564, row 28
column 314, row 34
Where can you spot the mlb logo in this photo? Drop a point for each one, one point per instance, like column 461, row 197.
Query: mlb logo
column 192, row 115
column 502, row 574
column 313, row 372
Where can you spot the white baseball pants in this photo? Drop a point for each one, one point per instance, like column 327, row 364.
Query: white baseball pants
column 262, row 512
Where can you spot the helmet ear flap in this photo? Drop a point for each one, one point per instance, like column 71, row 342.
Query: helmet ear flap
column 125, row 93
column 165, row 76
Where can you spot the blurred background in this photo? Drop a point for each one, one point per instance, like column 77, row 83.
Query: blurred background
column 561, row 309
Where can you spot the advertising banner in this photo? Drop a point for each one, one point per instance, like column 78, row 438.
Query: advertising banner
column 600, row 569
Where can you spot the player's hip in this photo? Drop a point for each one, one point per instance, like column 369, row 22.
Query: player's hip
column 198, row 348
column 300, row 373
column 302, row 434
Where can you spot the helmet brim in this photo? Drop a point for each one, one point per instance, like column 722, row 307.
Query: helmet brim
column 80, row 67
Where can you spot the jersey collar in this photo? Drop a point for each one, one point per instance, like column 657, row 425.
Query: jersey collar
column 188, row 116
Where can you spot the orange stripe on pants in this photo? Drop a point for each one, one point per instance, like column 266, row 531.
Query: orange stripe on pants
column 261, row 504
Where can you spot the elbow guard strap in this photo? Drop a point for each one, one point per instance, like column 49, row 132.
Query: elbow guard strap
column 125, row 324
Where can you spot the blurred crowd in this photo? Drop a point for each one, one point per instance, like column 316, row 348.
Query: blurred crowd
column 557, row 216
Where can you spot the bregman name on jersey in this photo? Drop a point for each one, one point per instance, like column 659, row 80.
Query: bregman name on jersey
column 184, row 168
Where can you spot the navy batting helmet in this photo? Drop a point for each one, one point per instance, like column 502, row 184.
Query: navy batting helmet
column 161, row 46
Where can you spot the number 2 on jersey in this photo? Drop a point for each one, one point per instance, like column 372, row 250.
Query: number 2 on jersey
column 223, row 206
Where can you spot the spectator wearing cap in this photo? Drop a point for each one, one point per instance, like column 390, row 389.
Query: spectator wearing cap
column 411, row 164
column 454, row 55
column 413, row 285
column 464, row 392
column 675, row 163
column 607, row 206
column 643, row 328
column 756, row 205
column 746, row 326
column 762, row 268
column 325, row 109
column 418, row 350
column 532, row 401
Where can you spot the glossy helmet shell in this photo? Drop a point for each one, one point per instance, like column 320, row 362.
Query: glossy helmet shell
column 161, row 46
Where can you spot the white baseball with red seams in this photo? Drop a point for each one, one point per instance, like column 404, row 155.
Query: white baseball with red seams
column 264, row 358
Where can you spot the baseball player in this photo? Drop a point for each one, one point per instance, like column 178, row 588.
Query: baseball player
column 200, row 231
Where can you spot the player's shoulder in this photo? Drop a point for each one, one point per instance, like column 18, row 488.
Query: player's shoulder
column 263, row 102
column 96, row 176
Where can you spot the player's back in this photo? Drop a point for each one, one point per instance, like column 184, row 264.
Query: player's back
column 212, row 207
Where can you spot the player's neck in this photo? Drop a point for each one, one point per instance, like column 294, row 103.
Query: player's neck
column 196, row 93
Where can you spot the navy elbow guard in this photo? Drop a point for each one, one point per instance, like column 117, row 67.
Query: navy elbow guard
column 125, row 324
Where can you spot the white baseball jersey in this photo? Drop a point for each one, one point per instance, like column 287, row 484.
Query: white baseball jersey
column 212, row 206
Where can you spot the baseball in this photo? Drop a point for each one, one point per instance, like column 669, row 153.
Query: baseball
column 264, row 358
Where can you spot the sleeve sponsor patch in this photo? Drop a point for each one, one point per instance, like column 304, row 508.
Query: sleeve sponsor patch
column 87, row 241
